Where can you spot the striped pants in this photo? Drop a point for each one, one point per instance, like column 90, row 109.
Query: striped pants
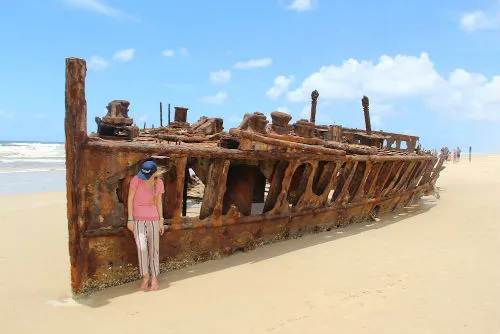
column 147, row 239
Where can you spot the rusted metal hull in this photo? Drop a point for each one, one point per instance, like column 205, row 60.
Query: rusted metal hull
column 271, row 187
column 113, row 254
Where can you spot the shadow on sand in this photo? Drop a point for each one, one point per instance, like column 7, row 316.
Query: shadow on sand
column 104, row 297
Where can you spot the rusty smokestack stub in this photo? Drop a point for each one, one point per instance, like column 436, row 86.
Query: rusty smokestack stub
column 314, row 101
column 180, row 114
column 180, row 118
column 365, row 102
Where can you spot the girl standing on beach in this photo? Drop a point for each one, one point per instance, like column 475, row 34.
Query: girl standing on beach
column 145, row 220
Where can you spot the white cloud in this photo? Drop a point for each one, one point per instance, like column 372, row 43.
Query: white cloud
column 468, row 95
column 461, row 95
column 254, row 63
column 216, row 99
column 168, row 53
column 479, row 20
column 220, row 77
column 354, row 78
column 98, row 63
column 6, row 115
column 124, row 55
column 97, row 6
column 281, row 84
column 302, row 5
column 378, row 111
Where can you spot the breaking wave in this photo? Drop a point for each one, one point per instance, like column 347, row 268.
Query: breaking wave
column 31, row 157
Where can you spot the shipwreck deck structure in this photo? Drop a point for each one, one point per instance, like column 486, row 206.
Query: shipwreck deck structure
column 259, row 182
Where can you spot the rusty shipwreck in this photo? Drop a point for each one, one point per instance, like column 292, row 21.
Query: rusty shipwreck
column 225, row 191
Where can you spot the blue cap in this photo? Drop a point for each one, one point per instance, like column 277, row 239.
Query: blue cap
column 148, row 168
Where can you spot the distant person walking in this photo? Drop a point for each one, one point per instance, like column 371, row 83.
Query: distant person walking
column 445, row 151
column 458, row 153
column 144, row 220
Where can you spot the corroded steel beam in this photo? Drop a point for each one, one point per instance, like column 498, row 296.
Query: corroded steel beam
column 213, row 151
column 75, row 126
column 400, row 181
column 215, row 188
column 176, row 183
column 376, row 172
column 344, row 193
column 277, row 143
column 200, row 151
column 393, row 178
column 361, row 188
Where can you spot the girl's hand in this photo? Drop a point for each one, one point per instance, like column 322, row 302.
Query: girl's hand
column 130, row 226
column 162, row 227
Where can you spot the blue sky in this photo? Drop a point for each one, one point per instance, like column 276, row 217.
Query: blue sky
column 430, row 68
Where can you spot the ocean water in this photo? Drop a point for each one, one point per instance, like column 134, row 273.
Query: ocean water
column 27, row 167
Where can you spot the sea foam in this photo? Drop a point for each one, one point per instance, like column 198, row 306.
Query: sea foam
column 31, row 157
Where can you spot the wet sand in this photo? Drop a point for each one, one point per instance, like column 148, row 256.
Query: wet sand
column 433, row 268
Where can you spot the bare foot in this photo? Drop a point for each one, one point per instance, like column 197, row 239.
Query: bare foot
column 154, row 284
column 144, row 284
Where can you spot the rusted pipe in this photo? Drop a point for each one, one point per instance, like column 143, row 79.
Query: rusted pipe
column 366, row 110
column 314, row 101
column 161, row 115
column 168, row 114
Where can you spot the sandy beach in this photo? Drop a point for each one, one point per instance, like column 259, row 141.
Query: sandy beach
column 433, row 268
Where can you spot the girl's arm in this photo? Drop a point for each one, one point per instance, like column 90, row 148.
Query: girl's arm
column 130, row 207
column 159, row 207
